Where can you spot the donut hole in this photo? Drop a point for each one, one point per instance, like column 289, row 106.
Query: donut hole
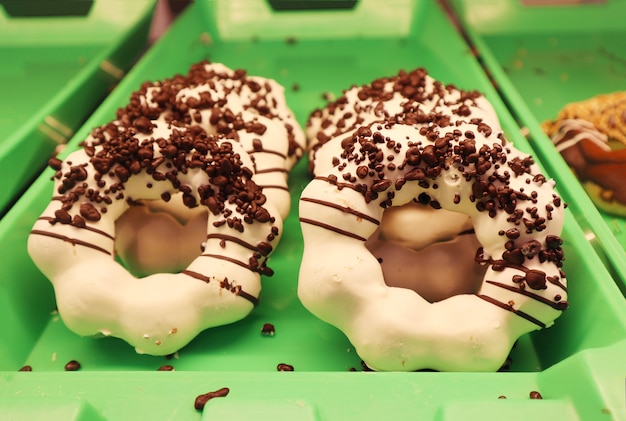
column 154, row 236
column 430, row 251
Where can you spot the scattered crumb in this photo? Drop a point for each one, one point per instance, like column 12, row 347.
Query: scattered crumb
column 284, row 367
column 166, row 367
column 206, row 38
column 201, row 400
column 328, row 96
column 268, row 329
column 72, row 365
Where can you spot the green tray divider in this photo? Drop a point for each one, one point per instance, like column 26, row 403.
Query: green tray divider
column 103, row 46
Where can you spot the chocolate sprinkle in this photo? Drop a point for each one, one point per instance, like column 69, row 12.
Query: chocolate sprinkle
column 284, row 367
column 201, row 400
column 166, row 367
column 268, row 329
column 72, row 365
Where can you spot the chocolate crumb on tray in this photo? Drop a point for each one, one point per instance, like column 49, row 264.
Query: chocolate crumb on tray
column 284, row 367
column 72, row 365
column 268, row 329
column 201, row 400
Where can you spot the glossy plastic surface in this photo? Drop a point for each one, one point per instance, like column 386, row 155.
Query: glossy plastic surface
column 577, row 365
column 55, row 71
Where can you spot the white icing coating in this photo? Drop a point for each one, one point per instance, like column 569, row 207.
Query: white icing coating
column 72, row 242
column 517, row 218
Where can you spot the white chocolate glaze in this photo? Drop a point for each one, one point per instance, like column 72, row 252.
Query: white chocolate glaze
column 457, row 163
column 72, row 242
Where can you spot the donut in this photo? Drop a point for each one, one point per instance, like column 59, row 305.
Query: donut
column 462, row 165
column 72, row 242
column 590, row 135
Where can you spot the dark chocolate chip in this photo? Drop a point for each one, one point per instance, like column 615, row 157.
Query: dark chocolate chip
column 284, row 367
column 72, row 366
column 268, row 329
column 166, row 367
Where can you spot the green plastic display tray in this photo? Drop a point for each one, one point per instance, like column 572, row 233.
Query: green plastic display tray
column 54, row 71
column 578, row 365
column 542, row 57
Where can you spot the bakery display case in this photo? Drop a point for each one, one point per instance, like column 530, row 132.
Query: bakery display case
column 59, row 61
column 281, row 362
column 543, row 55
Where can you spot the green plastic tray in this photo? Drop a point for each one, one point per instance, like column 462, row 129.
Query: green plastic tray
column 543, row 57
column 578, row 365
column 54, row 72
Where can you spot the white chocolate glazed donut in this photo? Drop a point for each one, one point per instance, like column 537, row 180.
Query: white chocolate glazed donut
column 72, row 242
column 249, row 109
column 464, row 167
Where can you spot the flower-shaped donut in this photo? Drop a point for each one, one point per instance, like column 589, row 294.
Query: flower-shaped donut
column 72, row 242
column 464, row 166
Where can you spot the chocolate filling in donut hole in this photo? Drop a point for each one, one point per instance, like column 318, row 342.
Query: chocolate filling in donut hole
column 430, row 251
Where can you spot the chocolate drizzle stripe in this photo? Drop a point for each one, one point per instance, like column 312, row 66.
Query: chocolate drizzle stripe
column 243, row 294
column 555, row 281
column 273, row 186
column 271, row 170
column 72, row 241
column 512, row 310
column 229, row 259
column 332, row 228
column 344, row 209
column 233, row 239
column 88, row 228
column 282, row 155
column 237, row 291
column 555, row 305
column 334, row 182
